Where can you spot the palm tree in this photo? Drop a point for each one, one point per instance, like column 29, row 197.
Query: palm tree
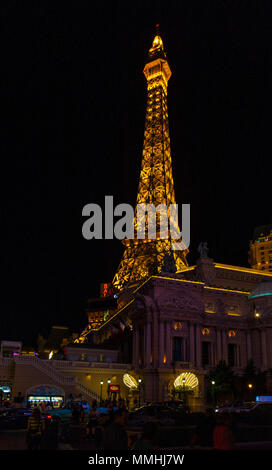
column 221, row 383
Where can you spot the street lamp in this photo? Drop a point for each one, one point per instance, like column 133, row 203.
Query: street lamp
column 250, row 387
column 101, row 384
column 140, row 381
column 213, row 392
column 109, row 381
column 183, row 385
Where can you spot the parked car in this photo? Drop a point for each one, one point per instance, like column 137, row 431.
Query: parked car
column 159, row 413
column 236, row 408
column 15, row 418
column 64, row 414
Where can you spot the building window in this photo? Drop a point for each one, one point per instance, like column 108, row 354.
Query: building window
column 206, row 353
column 177, row 350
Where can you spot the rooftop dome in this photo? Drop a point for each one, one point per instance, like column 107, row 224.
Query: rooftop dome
column 262, row 289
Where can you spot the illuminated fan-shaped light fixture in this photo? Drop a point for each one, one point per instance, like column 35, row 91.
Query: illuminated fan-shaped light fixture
column 186, row 379
column 130, row 381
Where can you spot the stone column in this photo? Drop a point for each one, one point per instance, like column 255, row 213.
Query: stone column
column 161, row 343
column 219, row 355
column 147, row 343
column 137, row 347
column 168, row 351
column 155, row 340
column 192, row 343
column 198, row 346
column 224, row 346
column 248, row 344
column 212, row 353
column 264, row 350
column 184, row 349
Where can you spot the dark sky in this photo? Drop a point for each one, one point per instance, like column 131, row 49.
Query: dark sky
column 73, row 108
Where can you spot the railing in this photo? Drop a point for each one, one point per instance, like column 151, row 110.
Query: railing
column 87, row 391
column 5, row 361
column 182, row 365
column 85, row 364
column 110, row 365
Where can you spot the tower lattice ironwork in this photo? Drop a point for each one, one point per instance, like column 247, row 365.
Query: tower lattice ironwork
column 144, row 257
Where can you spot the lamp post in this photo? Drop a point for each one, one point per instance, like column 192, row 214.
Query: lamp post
column 183, row 389
column 109, row 381
column 250, row 387
column 140, row 381
column 101, row 385
column 213, row 392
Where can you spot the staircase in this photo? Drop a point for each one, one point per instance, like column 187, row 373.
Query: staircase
column 87, row 392
column 48, row 369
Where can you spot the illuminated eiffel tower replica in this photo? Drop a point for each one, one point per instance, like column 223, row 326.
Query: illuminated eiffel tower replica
column 144, row 257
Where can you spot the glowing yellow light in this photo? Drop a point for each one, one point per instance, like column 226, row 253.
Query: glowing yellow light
column 51, row 354
column 157, row 42
column 190, row 382
column 205, row 331
column 238, row 268
column 231, row 333
column 227, row 290
column 130, row 381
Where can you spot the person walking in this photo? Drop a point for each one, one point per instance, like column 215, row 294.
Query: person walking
column 114, row 435
column 50, row 436
column 92, row 421
column 35, row 427
column 223, row 437
column 203, row 435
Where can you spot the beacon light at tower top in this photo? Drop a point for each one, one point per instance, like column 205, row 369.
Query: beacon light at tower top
column 157, row 43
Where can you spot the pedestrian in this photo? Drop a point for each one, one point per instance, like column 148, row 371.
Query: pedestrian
column 35, row 427
column 18, row 400
column 203, row 435
column 81, row 413
column 92, row 421
column 93, row 429
column 114, row 436
column 51, row 434
column 75, row 414
column 223, row 437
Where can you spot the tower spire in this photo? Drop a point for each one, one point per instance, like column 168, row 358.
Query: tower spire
column 143, row 257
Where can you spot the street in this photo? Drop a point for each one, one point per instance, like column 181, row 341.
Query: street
column 16, row 440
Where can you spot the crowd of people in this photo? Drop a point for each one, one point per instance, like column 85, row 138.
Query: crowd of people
column 104, row 426
column 214, row 431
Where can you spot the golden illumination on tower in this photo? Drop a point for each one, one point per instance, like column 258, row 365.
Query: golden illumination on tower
column 144, row 257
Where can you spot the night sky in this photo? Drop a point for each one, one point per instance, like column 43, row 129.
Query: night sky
column 73, row 102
